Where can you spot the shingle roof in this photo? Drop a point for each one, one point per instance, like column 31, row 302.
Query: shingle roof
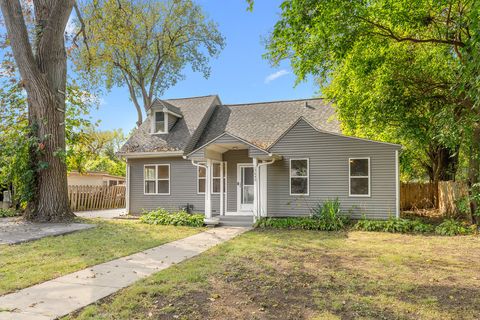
column 194, row 110
column 263, row 123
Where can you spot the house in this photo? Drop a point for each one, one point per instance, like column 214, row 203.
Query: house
column 274, row 159
column 93, row 178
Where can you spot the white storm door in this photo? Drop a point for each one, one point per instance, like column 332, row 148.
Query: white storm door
column 245, row 192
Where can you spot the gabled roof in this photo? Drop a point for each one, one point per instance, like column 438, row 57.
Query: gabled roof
column 182, row 135
column 165, row 104
column 261, row 124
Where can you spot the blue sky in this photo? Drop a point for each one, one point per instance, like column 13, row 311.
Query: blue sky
column 238, row 75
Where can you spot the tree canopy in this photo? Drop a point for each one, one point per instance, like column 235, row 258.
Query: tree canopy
column 145, row 45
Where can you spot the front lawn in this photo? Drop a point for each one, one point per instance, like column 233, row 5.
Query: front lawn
column 284, row 274
column 29, row 263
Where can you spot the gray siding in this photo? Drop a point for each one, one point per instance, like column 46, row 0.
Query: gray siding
column 183, row 184
column 328, row 155
column 171, row 121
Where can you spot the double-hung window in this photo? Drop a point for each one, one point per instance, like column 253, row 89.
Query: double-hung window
column 359, row 177
column 157, row 179
column 216, row 177
column 160, row 122
column 299, row 177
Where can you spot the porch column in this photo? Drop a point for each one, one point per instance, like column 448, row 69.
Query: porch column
column 208, row 190
column 255, row 189
column 222, row 201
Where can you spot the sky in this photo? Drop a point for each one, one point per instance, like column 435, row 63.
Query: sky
column 238, row 75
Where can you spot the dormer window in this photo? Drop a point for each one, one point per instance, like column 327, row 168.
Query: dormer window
column 160, row 125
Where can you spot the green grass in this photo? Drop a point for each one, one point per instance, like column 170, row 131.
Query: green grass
column 29, row 263
column 295, row 274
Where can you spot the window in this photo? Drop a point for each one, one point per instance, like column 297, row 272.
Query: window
column 160, row 123
column 215, row 176
column 157, row 179
column 201, row 178
column 299, row 176
column 359, row 175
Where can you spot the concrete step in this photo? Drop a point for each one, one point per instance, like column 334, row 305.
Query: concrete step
column 236, row 221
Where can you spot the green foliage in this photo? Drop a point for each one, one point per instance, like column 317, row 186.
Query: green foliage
column 180, row 218
column 394, row 225
column 8, row 213
column 452, row 227
column 145, row 45
column 404, row 71
column 330, row 215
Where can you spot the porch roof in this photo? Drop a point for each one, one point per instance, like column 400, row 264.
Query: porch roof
column 225, row 142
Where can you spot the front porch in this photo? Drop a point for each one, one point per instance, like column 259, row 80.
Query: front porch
column 233, row 175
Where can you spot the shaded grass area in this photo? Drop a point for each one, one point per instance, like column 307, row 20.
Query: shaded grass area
column 25, row 264
column 272, row 274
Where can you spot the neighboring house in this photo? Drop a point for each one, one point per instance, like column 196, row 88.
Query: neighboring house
column 94, row 179
column 263, row 159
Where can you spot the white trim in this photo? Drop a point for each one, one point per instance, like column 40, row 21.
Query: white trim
column 154, row 122
column 208, row 192
column 397, row 186
column 369, row 177
column 239, row 186
column 224, row 175
column 327, row 132
column 201, row 165
column 307, row 177
column 156, row 165
column 159, row 154
column 231, row 135
column 127, row 189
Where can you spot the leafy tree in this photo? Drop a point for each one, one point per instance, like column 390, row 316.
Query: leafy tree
column 40, row 56
column 145, row 45
column 318, row 37
column 97, row 152
column 16, row 173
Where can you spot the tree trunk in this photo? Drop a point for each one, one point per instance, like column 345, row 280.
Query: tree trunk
column 443, row 163
column 43, row 74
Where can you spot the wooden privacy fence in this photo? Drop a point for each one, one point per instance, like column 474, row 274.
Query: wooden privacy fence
column 443, row 196
column 418, row 195
column 96, row 197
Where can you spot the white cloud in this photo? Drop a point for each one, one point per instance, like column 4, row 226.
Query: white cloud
column 276, row 75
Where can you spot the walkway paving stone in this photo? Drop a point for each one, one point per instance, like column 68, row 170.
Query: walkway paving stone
column 63, row 295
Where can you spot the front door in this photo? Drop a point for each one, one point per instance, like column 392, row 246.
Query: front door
column 245, row 192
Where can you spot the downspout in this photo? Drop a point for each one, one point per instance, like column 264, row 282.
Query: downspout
column 259, row 206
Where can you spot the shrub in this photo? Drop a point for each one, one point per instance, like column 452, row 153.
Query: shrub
column 180, row 218
column 452, row 227
column 305, row 223
column 329, row 215
column 394, row 225
column 8, row 213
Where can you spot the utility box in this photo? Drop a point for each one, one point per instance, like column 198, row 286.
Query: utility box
column 7, row 200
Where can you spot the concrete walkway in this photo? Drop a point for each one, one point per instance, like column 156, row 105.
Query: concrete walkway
column 102, row 214
column 61, row 296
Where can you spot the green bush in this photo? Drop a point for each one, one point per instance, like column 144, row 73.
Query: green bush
column 329, row 215
column 452, row 227
column 8, row 213
column 394, row 225
column 180, row 218
column 305, row 223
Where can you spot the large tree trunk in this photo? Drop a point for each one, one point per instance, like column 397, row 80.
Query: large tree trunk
column 43, row 74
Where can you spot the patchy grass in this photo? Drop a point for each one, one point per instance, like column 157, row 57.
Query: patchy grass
column 23, row 265
column 294, row 274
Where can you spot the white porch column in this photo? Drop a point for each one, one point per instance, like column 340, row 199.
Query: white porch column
column 255, row 189
column 208, row 190
column 222, row 201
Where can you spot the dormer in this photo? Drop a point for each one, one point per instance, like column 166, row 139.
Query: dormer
column 164, row 116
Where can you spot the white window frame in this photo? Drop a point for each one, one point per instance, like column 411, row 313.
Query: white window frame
column 157, row 179
column 165, row 120
column 369, row 177
column 224, row 176
column 304, row 177
column 203, row 178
